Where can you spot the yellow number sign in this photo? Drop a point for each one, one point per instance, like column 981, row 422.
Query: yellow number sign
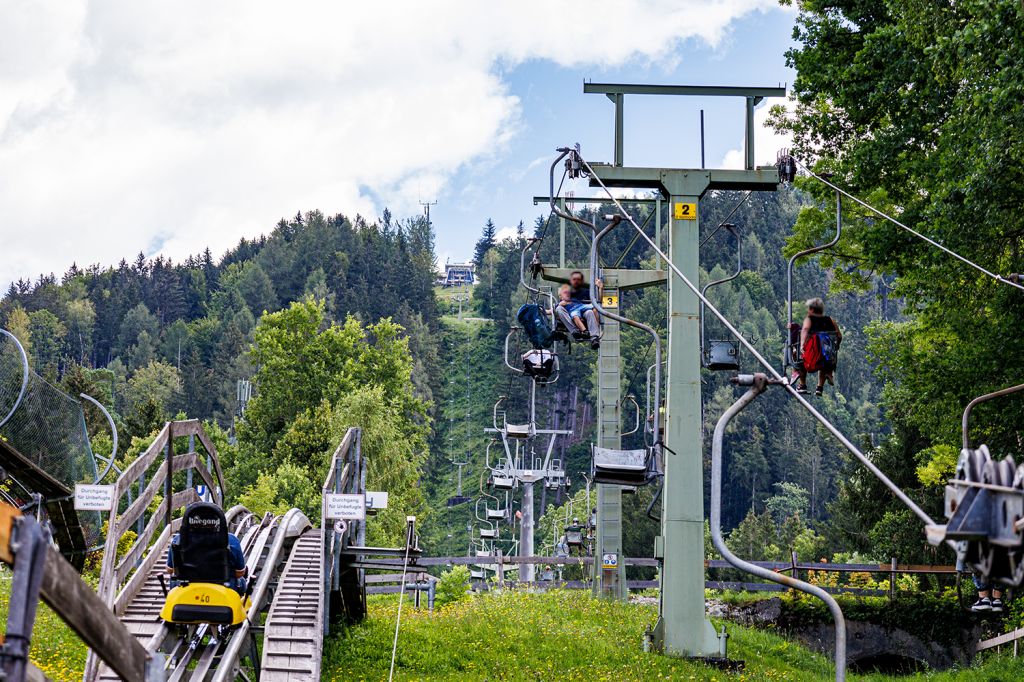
column 681, row 211
column 610, row 301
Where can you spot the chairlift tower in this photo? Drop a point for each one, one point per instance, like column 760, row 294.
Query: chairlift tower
column 608, row 582
column 683, row 628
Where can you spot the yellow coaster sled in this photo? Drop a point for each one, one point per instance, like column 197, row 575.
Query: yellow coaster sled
column 204, row 603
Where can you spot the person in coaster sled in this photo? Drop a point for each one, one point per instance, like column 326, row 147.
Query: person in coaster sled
column 576, row 311
column 820, row 337
column 237, row 560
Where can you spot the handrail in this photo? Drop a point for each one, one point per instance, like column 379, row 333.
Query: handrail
column 346, row 474
column 981, row 399
column 24, row 375
column 789, row 280
column 758, row 383
column 114, row 570
column 739, row 268
column 636, row 427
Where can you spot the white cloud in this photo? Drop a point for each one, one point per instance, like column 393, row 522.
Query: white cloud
column 767, row 142
column 506, row 232
column 128, row 126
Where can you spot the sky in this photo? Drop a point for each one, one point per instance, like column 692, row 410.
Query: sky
column 166, row 128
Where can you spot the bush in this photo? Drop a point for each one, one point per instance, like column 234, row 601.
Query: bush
column 453, row 586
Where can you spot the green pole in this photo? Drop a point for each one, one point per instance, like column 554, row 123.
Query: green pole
column 609, row 582
column 683, row 629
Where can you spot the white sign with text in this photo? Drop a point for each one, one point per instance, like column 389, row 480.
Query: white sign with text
column 341, row 506
column 94, row 497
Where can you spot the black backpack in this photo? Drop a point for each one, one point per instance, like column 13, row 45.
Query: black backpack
column 536, row 325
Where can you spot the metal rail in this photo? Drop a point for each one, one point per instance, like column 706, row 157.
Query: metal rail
column 965, row 422
column 758, row 383
column 739, row 268
column 24, row 375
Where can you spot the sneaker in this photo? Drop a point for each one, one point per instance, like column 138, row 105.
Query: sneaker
column 983, row 605
column 595, row 342
column 802, row 389
column 818, row 391
column 997, row 605
column 580, row 336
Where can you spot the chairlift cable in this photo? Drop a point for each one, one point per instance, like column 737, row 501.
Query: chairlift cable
column 824, row 421
column 726, row 218
column 962, row 259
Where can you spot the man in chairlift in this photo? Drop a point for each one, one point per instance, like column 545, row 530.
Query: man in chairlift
column 203, row 530
column 576, row 311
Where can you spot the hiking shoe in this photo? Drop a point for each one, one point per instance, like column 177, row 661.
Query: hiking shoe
column 595, row 342
column 997, row 605
column 983, row 605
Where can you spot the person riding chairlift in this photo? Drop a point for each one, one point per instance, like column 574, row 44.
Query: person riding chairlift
column 233, row 548
column 813, row 358
column 576, row 311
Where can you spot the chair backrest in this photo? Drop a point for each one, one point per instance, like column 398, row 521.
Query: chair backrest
column 201, row 554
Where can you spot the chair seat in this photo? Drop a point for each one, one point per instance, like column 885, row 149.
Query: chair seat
column 623, row 467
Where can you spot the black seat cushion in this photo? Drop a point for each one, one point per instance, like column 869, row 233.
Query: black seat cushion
column 201, row 554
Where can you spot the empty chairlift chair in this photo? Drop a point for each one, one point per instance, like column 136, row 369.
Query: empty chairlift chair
column 721, row 354
column 622, row 467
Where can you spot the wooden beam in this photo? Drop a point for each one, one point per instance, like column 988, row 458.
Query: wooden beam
column 85, row 613
column 81, row 608
column 141, row 463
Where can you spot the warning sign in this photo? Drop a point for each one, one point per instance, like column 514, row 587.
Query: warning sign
column 94, row 497
column 345, row 506
column 609, row 560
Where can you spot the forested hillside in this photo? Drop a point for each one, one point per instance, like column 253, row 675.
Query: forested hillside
column 331, row 319
column 783, row 472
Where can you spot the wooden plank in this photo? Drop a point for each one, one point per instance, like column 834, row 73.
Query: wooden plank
column 85, row 613
column 141, row 464
column 341, row 453
column 1000, row 640
column 132, row 556
column 131, row 590
column 212, row 451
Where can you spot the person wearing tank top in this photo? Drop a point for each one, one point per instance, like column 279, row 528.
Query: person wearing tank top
column 815, row 322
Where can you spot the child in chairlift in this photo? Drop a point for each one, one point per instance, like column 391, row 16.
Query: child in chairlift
column 575, row 309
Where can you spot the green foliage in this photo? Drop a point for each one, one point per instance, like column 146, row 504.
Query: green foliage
column 453, row 587
column 913, row 107
column 565, row 635
column 278, row 490
column 939, row 465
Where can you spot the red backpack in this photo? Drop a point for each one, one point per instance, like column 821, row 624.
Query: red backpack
column 813, row 358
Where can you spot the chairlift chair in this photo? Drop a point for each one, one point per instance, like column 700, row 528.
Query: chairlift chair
column 722, row 354
column 496, row 514
column 516, row 431
column 622, row 467
column 489, row 533
column 574, row 535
